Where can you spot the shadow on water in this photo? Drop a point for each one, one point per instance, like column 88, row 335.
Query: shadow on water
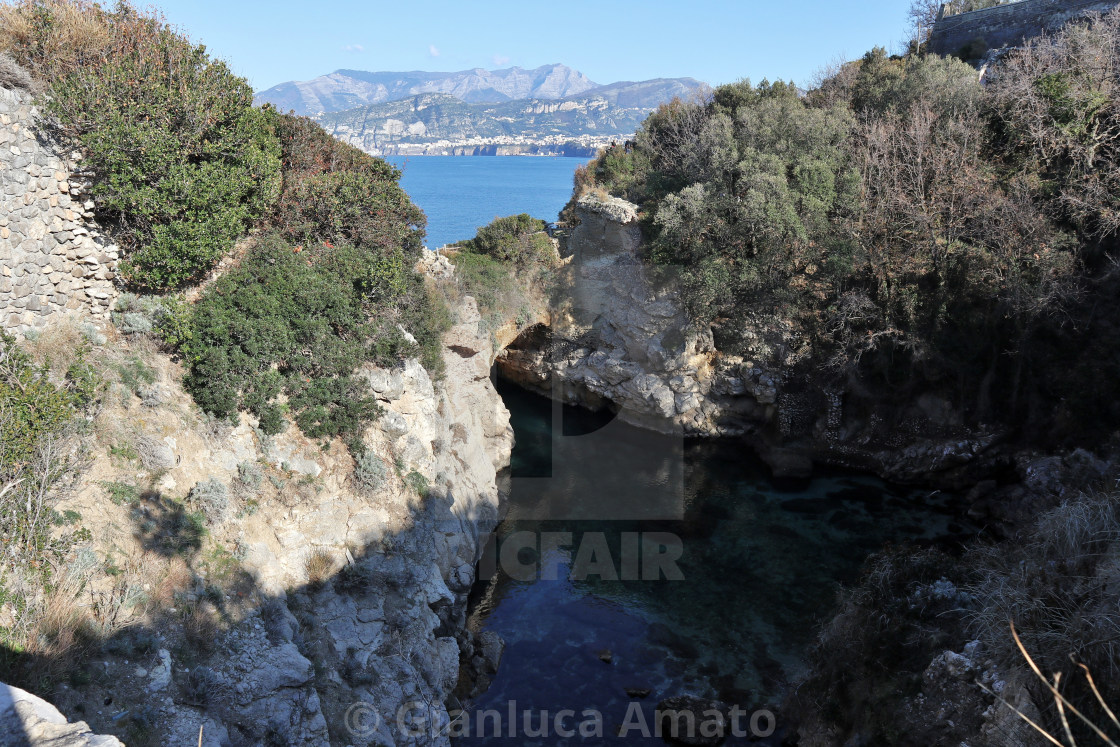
column 760, row 565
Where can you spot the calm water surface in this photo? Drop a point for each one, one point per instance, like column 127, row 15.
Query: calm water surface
column 761, row 565
column 461, row 193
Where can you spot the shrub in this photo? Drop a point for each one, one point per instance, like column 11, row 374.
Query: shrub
column 31, row 406
column 299, row 321
column 332, row 191
column 503, row 264
column 319, row 567
column 250, row 474
column 516, row 239
column 211, row 497
column 121, row 493
column 370, row 472
column 181, row 162
column 417, row 482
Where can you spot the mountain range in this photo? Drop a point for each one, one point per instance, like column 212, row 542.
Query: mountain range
column 550, row 110
column 346, row 89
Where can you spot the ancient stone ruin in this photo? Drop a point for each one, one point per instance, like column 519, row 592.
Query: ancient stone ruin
column 53, row 258
column 1008, row 25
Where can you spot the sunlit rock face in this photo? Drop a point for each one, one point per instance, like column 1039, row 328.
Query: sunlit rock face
column 620, row 335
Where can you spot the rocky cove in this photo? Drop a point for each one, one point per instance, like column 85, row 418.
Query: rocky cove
column 351, row 622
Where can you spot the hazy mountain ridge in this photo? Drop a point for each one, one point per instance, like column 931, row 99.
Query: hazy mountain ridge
column 438, row 123
column 346, row 89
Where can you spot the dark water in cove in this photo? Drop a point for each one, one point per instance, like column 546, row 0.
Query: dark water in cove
column 461, row 193
column 760, row 565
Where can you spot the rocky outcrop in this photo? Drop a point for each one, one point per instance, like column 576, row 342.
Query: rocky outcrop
column 26, row 720
column 618, row 337
column 1008, row 24
column 375, row 647
column 341, row 617
column 53, row 258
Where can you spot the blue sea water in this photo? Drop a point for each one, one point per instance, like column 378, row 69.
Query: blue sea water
column 461, row 193
column 759, row 569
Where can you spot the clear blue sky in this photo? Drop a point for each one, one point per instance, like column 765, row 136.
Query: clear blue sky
column 714, row 40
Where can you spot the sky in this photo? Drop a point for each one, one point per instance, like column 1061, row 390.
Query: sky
column 716, row 41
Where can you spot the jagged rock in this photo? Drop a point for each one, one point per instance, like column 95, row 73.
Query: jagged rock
column 29, row 721
column 160, row 675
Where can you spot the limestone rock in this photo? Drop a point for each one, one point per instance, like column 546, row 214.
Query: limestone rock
column 26, row 719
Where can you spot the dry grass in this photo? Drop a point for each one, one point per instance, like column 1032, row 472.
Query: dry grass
column 57, row 346
column 320, row 566
column 1059, row 584
column 54, row 37
column 177, row 578
column 200, row 629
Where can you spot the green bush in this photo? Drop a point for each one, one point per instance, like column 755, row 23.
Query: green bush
column 503, row 265
column 334, row 192
column 298, row 322
column 181, row 162
column 31, row 405
column 516, row 239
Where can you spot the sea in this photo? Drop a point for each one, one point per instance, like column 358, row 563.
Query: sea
column 461, row 193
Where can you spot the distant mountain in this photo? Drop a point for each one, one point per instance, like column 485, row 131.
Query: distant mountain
column 441, row 124
column 346, row 89
column 646, row 94
column 552, row 110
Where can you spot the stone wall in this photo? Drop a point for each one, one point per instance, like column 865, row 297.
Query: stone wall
column 1009, row 25
column 53, row 258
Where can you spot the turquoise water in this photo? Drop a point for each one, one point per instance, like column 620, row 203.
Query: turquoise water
column 461, row 193
column 761, row 565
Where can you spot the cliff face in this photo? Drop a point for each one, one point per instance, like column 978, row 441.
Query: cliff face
column 334, row 600
column 618, row 337
column 618, row 334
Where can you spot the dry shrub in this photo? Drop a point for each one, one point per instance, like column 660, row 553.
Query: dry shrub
column 58, row 346
column 177, row 577
column 200, row 628
column 154, row 453
column 1059, row 584
column 320, row 567
column 54, row 37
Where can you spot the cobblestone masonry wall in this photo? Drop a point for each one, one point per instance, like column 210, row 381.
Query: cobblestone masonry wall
column 1009, row 25
column 53, row 258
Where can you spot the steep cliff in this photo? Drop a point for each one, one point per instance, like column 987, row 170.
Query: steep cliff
column 619, row 337
column 314, row 599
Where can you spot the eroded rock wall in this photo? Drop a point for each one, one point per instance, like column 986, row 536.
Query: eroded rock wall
column 618, row 334
column 347, row 624
column 618, row 337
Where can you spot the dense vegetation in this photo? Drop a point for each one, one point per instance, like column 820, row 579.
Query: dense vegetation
column 298, row 321
column 918, row 228
column 182, row 165
column 504, row 267
column 180, row 161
